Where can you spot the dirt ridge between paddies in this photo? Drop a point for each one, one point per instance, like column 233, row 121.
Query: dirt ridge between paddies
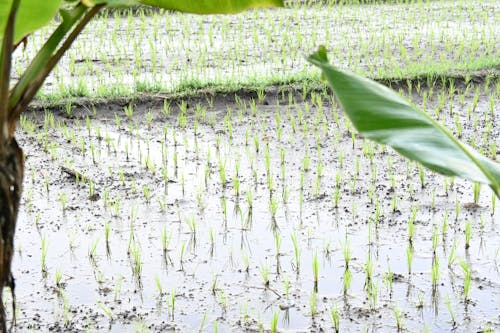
column 223, row 93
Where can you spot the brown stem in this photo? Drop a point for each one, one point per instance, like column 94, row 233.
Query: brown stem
column 11, row 181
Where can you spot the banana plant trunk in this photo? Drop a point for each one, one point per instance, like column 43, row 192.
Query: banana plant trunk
column 11, row 180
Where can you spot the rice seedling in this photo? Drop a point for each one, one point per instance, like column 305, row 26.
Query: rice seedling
column 296, row 250
column 171, row 303
column 347, row 280
column 274, row 322
column 105, row 310
column 477, row 191
column 313, row 304
column 58, row 277
column 158, row 285
column 409, row 258
column 335, row 316
column 467, row 279
column 315, row 268
column 264, row 273
column 43, row 261
column 399, row 318
column 450, row 310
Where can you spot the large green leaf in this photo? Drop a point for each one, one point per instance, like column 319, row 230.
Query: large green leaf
column 31, row 15
column 212, row 6
column 381, row 115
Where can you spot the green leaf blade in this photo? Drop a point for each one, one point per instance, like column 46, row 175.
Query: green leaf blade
column 383, row 116
column 212, row 6
column 31, row 15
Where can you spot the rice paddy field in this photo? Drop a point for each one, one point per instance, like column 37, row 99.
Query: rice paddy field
column 192, row 174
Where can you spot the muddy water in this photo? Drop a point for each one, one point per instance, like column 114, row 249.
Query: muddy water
column 214, row 268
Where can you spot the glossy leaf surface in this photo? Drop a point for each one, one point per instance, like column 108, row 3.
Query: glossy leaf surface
column 32, row 15
column 383, row 116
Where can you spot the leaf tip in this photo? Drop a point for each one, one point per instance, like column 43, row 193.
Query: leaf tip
column 319, row 56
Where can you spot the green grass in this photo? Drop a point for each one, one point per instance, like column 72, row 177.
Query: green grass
column 185, row 54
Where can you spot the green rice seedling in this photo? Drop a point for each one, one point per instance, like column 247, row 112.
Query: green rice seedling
column 409, row 258
column 274, row 322
column 487, row 329
column 246, row 261
column 215, row 287
column 468, row 233
column 222, row 173
column 449, row 306
column 107, row 312
column 171, row 303
column 147, row 193
column 336, row 197
column 421, row 175
column 477, row 191
column 296, row 251
column 335, row 315
column 347, row 280
column 346, row 252
column 388, row 277
column 399, row 318
column 192, row 224
column 162, row 203
column 277, row 243
column 158, row 285
column 444, row 226
column 264, row 272
column 313, row 304
column 223, row 300
column 435, row 272
column 273, row 207
column 306, row 161
column 166, row 108
column 224, row 207
column 92, row 193
column 63, row 200
column 373, row 291
column 256, row 143
column 58, row 277
column 368, row 269
column 286, row 287
column 129, row 111
column 467, row 279
column 137, row 261
column 43, row 262
column 117, row 121
column 394, row 202
column 315, row 267
column 354, row 180
column 181, row 254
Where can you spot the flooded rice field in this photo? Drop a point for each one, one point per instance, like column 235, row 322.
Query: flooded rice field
column 252, row 213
